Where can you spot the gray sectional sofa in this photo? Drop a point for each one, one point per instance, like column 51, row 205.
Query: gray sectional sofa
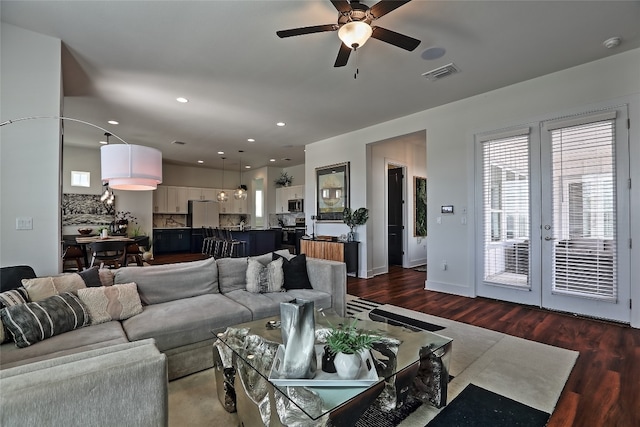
column 184, row 305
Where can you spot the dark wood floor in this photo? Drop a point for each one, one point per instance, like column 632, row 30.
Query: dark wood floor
column 603, row 388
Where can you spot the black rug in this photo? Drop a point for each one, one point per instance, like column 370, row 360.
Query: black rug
column 477, row 407
column 399, row 320
column 375, row 417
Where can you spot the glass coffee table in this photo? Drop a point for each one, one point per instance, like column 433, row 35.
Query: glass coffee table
column 406, row 361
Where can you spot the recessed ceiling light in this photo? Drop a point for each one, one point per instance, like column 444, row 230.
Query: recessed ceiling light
column 182, row 100
column 272, row 160
column 247, row 167
column 113, row 122
column 200, row 161
column 280, row 124
column 251, row 140
column 220, row 152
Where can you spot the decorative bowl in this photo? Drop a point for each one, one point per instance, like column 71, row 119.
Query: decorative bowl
column 85, row 231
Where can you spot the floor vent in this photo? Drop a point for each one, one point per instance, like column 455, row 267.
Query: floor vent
column 442, row 72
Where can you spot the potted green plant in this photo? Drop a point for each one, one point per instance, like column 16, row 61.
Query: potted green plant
column 284, row 180
column 347, row 343
column 354, row 219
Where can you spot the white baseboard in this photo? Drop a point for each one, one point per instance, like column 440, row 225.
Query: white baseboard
column 449, row 288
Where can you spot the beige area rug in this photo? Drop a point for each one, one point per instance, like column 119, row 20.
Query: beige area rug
column 523, row 370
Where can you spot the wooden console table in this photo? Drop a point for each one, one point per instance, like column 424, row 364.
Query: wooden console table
column 346, row 252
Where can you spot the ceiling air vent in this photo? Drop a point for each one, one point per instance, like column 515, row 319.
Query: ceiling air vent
column 178, row 142
column 442, row 72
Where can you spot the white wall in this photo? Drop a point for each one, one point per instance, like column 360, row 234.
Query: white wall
column 450, row 129
column 30, row 151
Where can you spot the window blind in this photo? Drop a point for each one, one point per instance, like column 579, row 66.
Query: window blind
column 584, row 209
column 506, row 209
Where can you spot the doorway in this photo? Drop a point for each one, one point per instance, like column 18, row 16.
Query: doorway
column 395, row 214
column 555, row 216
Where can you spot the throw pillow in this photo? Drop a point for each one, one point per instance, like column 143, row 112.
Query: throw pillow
column 40, row 288
column 264, row 278
column 70, row 282
column 295, row 272
column 231, row 274
column 106, row 276
column 106, row 303
column 36, row 321
column 91, row 277
column 8, row 299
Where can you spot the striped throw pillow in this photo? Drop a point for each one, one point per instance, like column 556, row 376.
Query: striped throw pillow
column 8, row 299
column 36, row 321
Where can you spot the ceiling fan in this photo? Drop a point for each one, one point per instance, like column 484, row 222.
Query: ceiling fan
column 354, row 27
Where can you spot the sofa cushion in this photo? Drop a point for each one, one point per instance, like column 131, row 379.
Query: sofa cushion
column 232, row 273
column 106, row 303
column 163, row 283
column 186, row 321
column 39, row 288
column 91, row 277
column 8, row 299
column 264, row 278
column 261, row 305
column 75, row 341
column 69, row 282
column 268, row 304
column 295, row 272
column 36, row 321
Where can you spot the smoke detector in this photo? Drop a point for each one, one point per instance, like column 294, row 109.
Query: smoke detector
column 441, row 72
column 612, row 42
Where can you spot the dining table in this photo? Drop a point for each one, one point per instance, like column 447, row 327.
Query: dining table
column 85, row 241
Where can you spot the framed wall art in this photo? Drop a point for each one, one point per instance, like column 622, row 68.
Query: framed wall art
column 420, row 205
column 80, row 209
column 332, row 186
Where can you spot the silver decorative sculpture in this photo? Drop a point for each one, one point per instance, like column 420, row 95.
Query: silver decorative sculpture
column 298, row 337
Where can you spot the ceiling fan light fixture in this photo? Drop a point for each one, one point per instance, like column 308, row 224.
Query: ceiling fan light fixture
column 355, row 34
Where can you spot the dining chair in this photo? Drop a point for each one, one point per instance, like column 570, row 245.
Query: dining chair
column 132, row 253
column 74, row 254
column 108, row 252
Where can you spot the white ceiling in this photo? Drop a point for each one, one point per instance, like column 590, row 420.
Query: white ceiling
column 129, row 60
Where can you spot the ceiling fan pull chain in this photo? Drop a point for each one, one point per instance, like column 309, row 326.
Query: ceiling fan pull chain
column 355, row 75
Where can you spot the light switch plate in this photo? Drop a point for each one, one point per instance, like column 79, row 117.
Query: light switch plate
column 24, row 223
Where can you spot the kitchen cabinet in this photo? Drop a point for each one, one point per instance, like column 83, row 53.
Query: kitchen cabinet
column 160, row 199
column 197, row 193
column 170, row 199
column 177, row 200
column 284, row 194
column 169, row 240
column 209, row 194
column 346, row 252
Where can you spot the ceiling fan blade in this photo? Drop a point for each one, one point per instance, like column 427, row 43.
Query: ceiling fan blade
column 342, row 5
column 343, row 56
column 396, row 39
column 307, row 30
column 385, row 6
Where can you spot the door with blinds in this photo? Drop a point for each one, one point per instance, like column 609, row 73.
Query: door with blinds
column 555, row 224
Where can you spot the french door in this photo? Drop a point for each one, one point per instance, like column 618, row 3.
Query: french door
column 554, row 226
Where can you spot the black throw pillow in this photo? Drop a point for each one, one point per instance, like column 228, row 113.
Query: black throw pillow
column 91, row 277
column 295, row 272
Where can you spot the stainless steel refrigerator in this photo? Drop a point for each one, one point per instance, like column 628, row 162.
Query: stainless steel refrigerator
column 203, row 214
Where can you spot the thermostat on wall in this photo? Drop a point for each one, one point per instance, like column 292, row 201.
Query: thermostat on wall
column 448, row 209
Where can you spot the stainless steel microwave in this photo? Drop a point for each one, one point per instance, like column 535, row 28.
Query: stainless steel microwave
column 296, row 205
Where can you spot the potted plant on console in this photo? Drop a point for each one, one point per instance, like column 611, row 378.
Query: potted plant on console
column 354, row 219
column 348, row 343
column 284, row 180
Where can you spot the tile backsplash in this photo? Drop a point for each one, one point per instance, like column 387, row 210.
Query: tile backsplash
column 169, row 221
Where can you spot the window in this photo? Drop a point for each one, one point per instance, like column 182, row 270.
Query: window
column 506, row 208
column 259, row 202
column 584, row 200
column 80, row 179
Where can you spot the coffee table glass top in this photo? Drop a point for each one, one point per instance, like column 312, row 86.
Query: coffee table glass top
column 408, row 353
